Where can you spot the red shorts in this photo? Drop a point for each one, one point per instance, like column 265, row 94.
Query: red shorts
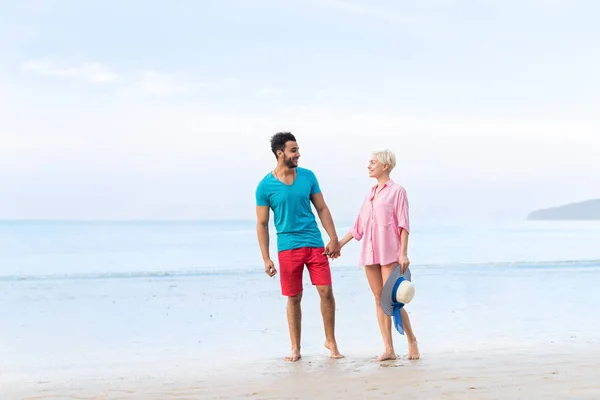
column 291, row 268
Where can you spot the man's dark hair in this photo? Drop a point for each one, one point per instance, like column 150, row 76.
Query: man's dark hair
column 279, row 140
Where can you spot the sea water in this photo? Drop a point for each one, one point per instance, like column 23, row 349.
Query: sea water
column 193, row 295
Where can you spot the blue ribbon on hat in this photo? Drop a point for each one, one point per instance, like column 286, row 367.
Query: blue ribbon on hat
column 397, row 307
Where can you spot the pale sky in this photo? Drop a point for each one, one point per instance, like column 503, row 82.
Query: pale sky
column 145, row 109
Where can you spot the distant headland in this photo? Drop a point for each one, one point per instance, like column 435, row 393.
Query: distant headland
column 585, row 210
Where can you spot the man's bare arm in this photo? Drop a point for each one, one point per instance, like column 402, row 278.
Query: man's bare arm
column 324, row 215
column 262, row 230
column 333, row 247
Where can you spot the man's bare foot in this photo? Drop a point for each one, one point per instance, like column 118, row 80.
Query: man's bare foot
column 335, row 353
column 387, row 355
column 413, row 351
column 295, row 356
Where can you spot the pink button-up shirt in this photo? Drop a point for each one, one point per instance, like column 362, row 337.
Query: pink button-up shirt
column 379, row 223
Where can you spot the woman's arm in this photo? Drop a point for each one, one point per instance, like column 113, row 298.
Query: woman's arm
column 356, row 232
column 349, row 236
column 404, row 229
column 403, row 243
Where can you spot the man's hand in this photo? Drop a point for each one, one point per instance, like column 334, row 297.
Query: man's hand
column 270, row 268
column 404, row 263
column 332, row 250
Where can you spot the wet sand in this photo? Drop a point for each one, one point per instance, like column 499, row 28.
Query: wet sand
column 550, row 373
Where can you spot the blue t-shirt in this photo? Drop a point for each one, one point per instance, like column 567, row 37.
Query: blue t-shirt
column 294, row 220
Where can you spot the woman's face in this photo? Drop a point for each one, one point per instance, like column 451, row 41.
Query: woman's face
column 376, row 168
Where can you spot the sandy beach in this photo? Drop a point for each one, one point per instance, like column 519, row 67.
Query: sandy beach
column 557, row 373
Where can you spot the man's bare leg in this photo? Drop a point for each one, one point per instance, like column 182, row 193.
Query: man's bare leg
column 294, row 316
column 328, row 312
column 413, row 348
column 374, row 277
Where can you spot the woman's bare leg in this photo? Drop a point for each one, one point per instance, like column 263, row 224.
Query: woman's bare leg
column 375, row 279
column 413, row 348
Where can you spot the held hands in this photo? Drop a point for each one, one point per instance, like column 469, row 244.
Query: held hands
column 404, row 263
column 332, row 250
column 270, row 268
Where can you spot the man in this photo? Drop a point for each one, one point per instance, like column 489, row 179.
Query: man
column 288, row 190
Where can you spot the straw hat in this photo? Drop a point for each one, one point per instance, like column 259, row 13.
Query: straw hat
column 397, row 291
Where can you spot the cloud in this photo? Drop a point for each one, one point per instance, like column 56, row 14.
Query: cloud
column 360, row 9
column 144, row 82
column 137, row 147
column 164, row 84
column 189, row 130
column 231, row 81
column 93, row 72
column 268, row 92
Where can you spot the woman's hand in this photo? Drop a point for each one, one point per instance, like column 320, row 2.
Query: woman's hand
column 404, row 263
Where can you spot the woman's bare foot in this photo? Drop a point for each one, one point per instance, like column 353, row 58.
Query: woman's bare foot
column 413, row 350
column 387, row 355
column 332, row 347
column 294, row 356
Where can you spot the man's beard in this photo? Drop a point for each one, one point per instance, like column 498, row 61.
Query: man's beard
column 289, row 162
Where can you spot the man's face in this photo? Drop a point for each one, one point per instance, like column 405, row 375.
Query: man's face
column 291, row 154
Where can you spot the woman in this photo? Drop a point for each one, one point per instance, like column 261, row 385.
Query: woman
column 383, row 223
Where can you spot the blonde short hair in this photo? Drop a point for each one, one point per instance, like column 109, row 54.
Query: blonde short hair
column 386, row 157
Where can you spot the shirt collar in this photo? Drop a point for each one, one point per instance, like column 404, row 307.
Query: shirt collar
column 374, row 188
column 388, row 183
